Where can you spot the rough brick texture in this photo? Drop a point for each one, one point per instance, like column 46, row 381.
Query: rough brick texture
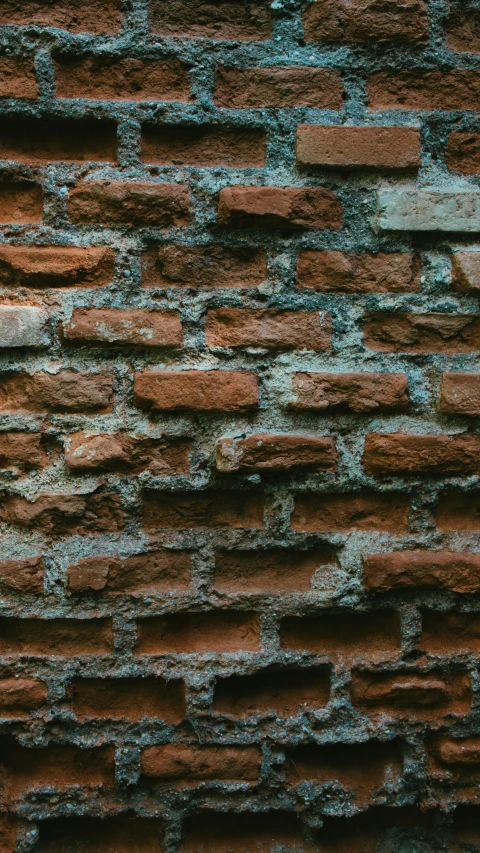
column 239, row 426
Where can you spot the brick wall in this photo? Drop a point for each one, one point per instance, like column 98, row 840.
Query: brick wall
column 239, row 438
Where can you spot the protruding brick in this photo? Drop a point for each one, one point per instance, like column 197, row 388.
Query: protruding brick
column 286, row 692
column 183, row 510
column 121, row 451
column 397, row 453
column 384, row 511
column 56, row 515
column 411, row 209
column 20, row 696
column 236, row 20
column 448, row 333
column 462, row 751
column 99, row 16
column 457, row 572
column 460, row 393
column 408, row 694
column 203, row 390
column 66, row 391
column 40, row 141
column 358, row 392
column 22, row 575
column 22, row 326
column 133, row 326
column 354, row 273
column 358, row 147
column 104, row 78
column 279, row 207
column 281, row 86
column 187, row 764
column 129, row 203
column 56, row 266
column 193, row 145
column 22, row 450
column 270, row 452
column 366, row 21
column 374, row 635
column 55, row 637
column 17, row 77
column 21, row 203
column 128, row 699
column 219, row 631
column 204, row 266
column 272, row 570
column 466, row 271
column 424, row 90
column 241, row 327
column 141, row 574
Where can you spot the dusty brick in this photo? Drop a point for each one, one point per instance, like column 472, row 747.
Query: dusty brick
column 466, row 271
column 279, row 207
column 202, row 390
column 460, row 393
column 191, row 145
column 133, row 326
column 374, row 635
column 39, row 141
column 189, row 764
column 21, row 202
column 271, row 570
column 396, row 453
column 22, row 326
column 181, row 510
column 155, row 571
column 408, row 694
column 99, row 16
column 383, row 511
column 128, row 699
column 358, row 392
column 457, row 572
column 17, row 77
column 448, row 333
column 22, row 575
column 57, row 515
column 295, row 86
column 123, row 452
column 20, row 696
column 237, row 20
column 424, row 90
column 133, row 203
column 271, row 452
column 56, row 266
column 287, row 692
column 204, row 266
column 57, row 637
column 104, row 78
column 22, row 450
column 239, row 327
column 463, row 29
column 357, row 273
column 66, row 391
column 195, row 633
column 362, row 147
column 406, row 208
column 366, row 20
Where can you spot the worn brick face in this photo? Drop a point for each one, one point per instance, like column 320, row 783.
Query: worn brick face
column 239, row 426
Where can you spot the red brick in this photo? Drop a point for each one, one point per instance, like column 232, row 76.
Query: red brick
column 463, row 751
column 424, row 90
column 449, row 633
column 21, row 202
column 428, row 696
column 124, row 833
column 56, row 266
column 279, row 207
column 17, row 77
column 463, row 153
column 458, row 511
column 204, row 266
column 141, row 574
column 56, row 515
column 57, row 766
column 99, row 16
column 216, row 631
column 366, row 20
column 241, row 327
column 235, row 20
column 39, row 141
column 383, row 511
column 448, row 333
column 358, row 392
column 66, row 391
column 261, row 832
column 111, row 79
column 202, row 390
column 270, row 452
column 122, row 452
column 286, row 692
column 463, row 29
column 133, row 326
column 281, row 86
column 373, row 635
column 189, row 764
column 20, row 696
column 183, row 510
column 129, row 203
column 354, row 273
column 362, row 147
column 55, row 637
column 466, row 271
column 396, row 453
column 128, row 699
column 457, row 572
column 460, row 393
column 193, row 145
column 271, row 570
column 22, row 575
column 22, row 450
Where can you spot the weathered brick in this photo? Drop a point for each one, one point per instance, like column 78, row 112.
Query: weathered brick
column 271, row 570
column 237, row 20
column 358, row 392
column 101, row 834
column 344, row 635
column 383, row 511
column 287, row 692
column 357, row 273
column 191, row 145
column 104, row 78
column 130, row 203
column 366, row 21
column 448, row 333
column 62, row 767
column 22, row 575
column 463, row 29
column 128, row 699
column 123, row 452
column 424, row 90
column 39, row 141
column 449, row 633
column 271, row 452
column 466, row 271
column 259, row 831
column 198, row 632
column 279, row 207
column 295, row 86
column 95, row 16
column 133, row 326
column 457, row 510
column 181, row 510
column 21, row 202
column 66, row 391
column 22, row 450
column 57, row 515
column 20, row 696
column 189, row 764
column 17, row 77
column 22, row 326
column 460, row 393
column 203, row 390
column 428, row 696
column 56, row 266
column 463, row 153
column 57, row 637
column 360, row 147
column 155, row 571
column 410, row 209
column 397, row 453
column 457, row 572
column 204, row 266
column 240, row 327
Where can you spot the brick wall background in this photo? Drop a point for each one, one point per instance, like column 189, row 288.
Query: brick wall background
column 239, row 447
